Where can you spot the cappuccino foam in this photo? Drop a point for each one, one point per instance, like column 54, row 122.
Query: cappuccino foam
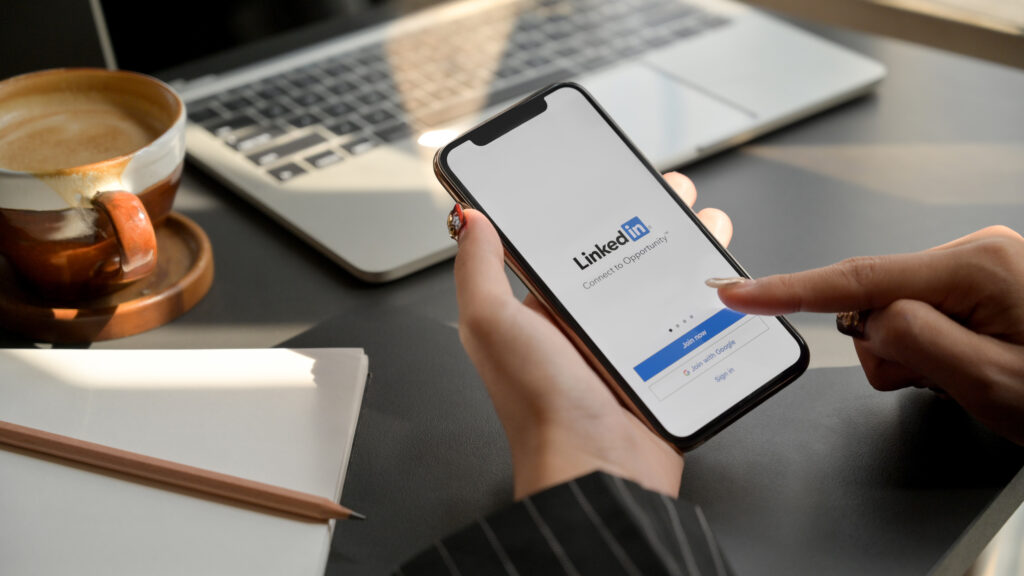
column 48, row 132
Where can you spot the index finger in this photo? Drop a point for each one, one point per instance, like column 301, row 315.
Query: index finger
column 682, row 186
column 854, row 284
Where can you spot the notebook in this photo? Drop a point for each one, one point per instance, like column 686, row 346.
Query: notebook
column 284, row 417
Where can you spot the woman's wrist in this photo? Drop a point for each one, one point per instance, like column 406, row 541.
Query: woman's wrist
column 543, row 458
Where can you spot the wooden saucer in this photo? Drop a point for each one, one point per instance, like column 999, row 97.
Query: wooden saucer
column 183, row 275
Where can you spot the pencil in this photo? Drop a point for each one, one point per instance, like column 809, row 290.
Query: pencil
column 175, row 474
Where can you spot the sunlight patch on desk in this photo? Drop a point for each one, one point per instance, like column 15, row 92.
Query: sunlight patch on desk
column 952, row 174
column 168, row 369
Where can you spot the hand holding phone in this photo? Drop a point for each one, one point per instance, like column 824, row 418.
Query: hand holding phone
column 618, row 261
column 561, row 419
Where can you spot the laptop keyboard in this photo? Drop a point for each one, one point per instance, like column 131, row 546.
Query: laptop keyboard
column 346, row 105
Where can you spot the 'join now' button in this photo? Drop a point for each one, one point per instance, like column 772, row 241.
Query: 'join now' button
column 686, row 343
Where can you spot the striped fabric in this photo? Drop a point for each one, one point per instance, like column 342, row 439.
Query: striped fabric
column 597, row 524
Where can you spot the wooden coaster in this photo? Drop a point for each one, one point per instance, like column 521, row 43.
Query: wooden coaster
column 183, row 275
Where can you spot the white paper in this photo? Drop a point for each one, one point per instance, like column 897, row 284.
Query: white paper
column 284, row 417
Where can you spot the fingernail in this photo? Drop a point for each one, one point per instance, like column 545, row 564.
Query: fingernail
column 720, row 282
column 456, row 220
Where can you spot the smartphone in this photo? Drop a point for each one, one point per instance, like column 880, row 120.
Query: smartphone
column 601, row 239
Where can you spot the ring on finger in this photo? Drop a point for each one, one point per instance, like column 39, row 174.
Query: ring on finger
column 853, row 323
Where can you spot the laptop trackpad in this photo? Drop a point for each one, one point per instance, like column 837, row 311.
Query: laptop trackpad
column 667, row 120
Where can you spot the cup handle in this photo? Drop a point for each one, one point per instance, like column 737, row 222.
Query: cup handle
column 133, row 230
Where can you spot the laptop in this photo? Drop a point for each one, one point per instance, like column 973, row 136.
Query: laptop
column 326, row 113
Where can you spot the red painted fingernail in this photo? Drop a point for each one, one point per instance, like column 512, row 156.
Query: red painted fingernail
column 456, row 220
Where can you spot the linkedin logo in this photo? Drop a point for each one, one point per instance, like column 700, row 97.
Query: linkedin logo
column 635, row 229
column 631, row 230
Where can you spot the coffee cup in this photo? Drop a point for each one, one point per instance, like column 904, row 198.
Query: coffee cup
column 90, row 161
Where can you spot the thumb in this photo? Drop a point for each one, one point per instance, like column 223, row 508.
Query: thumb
column 480, row 280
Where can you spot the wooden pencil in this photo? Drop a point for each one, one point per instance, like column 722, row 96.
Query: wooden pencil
column 174, row 474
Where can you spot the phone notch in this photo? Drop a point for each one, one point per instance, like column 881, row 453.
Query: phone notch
column 510, row 120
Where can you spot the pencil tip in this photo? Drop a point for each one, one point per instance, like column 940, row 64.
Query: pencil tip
column 353, row 515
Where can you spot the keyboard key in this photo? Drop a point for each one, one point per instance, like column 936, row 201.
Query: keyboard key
column 379, row 116
column 569, row 51
column 443, row 92
column 343, row 127
column 303, row 120
column 338, row 67
column 302, row 80
column 339, row 109
column 225, row 125
column 324, row 159
column 416, row 101
column 526, row 43
column 202, row 115
column 256, row 139
column 508, row 70
column 342, row 86
column 393, row 133
column 557, row 32
column 274, row 110
column 269, row 91
column 450, row 111
column 233, row 94
column 203, row 103
column 536, row 61
column 287, row 172
column 374, row 75
column 276, row 153
column 371, row 98
column 309, row 98
column 360, row 145
column 236, row 104
column 369, row 56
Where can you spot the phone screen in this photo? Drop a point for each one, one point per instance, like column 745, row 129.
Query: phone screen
column 623, row 261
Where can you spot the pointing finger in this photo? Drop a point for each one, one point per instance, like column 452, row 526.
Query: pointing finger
column 854, row 284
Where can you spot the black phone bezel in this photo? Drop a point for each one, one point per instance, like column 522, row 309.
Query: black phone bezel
column 518, row 114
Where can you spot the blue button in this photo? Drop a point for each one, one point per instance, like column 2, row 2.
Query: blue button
column 686, row 343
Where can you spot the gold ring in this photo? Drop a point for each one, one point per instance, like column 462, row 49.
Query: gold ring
column 853, row 323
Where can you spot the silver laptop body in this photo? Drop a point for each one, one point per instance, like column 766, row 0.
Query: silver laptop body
column 345, row 163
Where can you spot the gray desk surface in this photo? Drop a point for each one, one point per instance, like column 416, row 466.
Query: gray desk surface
column 827, row 477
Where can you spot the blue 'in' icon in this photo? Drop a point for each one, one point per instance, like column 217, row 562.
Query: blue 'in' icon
column 635, row 229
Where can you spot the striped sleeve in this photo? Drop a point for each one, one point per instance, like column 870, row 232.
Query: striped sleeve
column 597, row 524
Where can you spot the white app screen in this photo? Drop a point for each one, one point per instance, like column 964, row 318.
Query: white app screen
column 625, row 260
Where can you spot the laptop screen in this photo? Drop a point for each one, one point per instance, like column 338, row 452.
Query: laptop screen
column 189, row 38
